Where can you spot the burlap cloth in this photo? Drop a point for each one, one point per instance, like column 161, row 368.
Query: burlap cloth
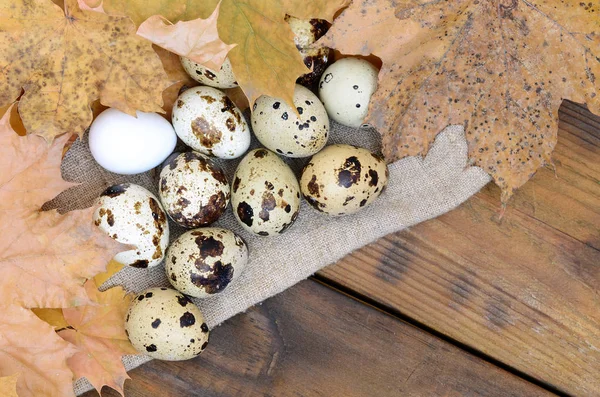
column 419, row 189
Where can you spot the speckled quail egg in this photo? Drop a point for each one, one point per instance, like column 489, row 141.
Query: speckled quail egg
column 209, row 122
column 202, row 262
column 265, row 194
column 278, row 128
column 306, row 32
column 342, row 179
column 193, row 190
column 223, row 78
column 166, row 325
column 132, row 215
column 346, row 88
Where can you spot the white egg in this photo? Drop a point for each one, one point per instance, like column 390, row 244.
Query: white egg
column 132, row 215
column 223, row 78
column 128, row 145
column 277, row 126
column 210, row 123
column 346, row 88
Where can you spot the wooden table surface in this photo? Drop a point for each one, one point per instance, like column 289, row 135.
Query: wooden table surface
column 466, row 304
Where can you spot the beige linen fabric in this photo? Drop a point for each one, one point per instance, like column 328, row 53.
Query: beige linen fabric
column 418, row 189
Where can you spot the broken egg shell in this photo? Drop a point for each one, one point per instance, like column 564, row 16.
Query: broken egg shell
column 265, row 195
column 346, row 88
column 132, row 215
column 223, row 78
column 277, row 126
column 165, row 324
column 209, row 122
column 193, row 190
column 202, row 262
column 343, row 179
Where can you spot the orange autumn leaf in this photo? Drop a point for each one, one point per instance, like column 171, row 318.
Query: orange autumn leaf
column 66, row 59
column 99, row 332
column 178, row 77
column 197, row 40
column 8, row 386
column 499, row 68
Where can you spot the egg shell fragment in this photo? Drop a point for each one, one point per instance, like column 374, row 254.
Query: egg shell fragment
column 209, row 122
column 202, row 262
column 194, row 191
column 343, row 179
column 166, row 325
column 346, row 88
column 127, row 145
column 306, row 32
column 265, row 194
column 132, row 215
column 277, row 126
column 223, row 78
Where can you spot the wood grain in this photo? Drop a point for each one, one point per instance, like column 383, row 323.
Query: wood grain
column 314, row 341
column 525, row 289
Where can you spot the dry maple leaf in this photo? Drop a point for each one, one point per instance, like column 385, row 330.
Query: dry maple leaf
column 8, row 386
column 99, row 331
column 501, row 68
column 30, row 347
column 44, row 257
column 197, row 40
column 265, row 60
column 64, row 60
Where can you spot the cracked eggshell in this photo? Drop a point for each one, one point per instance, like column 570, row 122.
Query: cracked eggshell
column 265, row 194
column 306, row 32
column 278, row 128
column 209, row 122
column 223, row 78
column 166, row 325
column 132, row 215
column 193, row 190
column 346, row 88
column 202, row 262
column 342, row 179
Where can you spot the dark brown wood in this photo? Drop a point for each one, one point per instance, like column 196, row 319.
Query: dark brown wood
column 524, row 289
column 314, row 341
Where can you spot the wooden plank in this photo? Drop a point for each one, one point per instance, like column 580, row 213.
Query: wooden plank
column 314, row 341
column 525, row 289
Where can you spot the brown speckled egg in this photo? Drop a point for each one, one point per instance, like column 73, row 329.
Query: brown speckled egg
column 166, row 325
column 202, row 262
column 277, row 126
column 132, row 215
column 306, row 32
column 342, row 179
column 223, row 78
column 209, row 122
column 193, row 190
column 265, row 193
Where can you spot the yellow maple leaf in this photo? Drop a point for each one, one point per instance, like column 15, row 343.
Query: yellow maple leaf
column 64, row 60
column 8, row 386
column 99, row 332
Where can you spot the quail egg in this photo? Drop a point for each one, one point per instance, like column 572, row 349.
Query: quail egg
column 202, row 262
column 193, row 190
column 346, row 88
column 306, row 32
column 132, row 215
column 166, row 325
column 278, row 128
column 342, row 179
column 209, row 122
column 223, row 78
column 265, row 194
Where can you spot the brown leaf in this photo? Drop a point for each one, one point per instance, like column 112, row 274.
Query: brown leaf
column 64, row 60
column 8, row 386
column 265, row 60
column 99, row 331
column 177, row 76
column 197, row 40
column 54, row 317
column 501, row 68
